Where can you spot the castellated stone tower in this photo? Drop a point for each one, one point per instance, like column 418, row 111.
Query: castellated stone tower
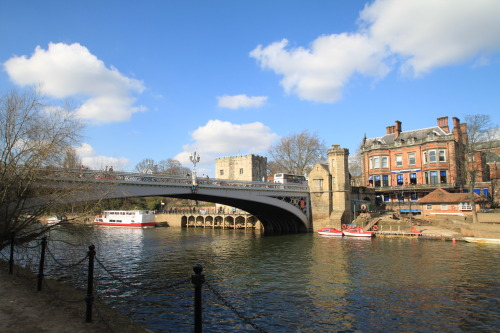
column 331, row 190
column 249, row 167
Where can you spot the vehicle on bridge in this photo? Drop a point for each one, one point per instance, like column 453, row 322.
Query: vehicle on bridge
column 286, row 178
column 126, row 218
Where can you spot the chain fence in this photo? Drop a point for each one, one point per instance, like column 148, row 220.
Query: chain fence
column 25, row 255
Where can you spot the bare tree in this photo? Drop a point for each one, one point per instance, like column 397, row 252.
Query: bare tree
column 355, row 168
column 166, row 167
column 297, row 153
column 480, row 131
column 35, row 141
column 147, row 165
column 172, row 167
column 71, row 159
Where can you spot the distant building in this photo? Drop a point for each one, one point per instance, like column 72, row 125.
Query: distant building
column 403, row 167
column 245, row 168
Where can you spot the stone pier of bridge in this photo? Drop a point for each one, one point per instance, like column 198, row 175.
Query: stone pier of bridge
column 209, row 220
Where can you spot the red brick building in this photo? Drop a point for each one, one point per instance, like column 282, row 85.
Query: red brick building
column 404, row 166
column 441, row 202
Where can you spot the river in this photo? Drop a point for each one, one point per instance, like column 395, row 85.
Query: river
column 297, row 283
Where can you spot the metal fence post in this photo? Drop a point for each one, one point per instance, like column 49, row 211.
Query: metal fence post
column 90, row 284
column 42, row 262
column 11, row 258
column 197, row 279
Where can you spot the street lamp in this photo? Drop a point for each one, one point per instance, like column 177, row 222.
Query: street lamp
column 194, row 159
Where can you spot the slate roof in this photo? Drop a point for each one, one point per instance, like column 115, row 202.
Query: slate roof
column 439, row 196
column 418, row 134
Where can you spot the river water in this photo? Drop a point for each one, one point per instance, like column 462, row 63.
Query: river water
column 298, row 283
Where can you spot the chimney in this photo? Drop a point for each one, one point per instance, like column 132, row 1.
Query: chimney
column 397, row 128
column 456, row 129
column 443, row 123
column 389, row 130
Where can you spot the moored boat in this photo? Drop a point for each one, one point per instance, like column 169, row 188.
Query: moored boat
column 126, row 218
column 330, row 232
column 57, row 219
column 358, row 232
column 482, row 240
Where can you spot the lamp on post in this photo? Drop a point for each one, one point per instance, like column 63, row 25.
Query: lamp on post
column 194, row 159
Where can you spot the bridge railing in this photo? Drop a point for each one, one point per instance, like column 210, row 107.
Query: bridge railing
column 168, row 179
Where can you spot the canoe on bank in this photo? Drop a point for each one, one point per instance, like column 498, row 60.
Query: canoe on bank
column 482, row 240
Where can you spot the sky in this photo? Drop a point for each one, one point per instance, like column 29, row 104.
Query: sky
column 162, row 79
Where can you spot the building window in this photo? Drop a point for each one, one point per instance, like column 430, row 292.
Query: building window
column 370, row 163
column 413, row 178
column 425, row 158
column 434, row 177
column 221, row 172
column 401, row 196
column 432, row 156
column 428, row 207
column 399, row 160
column 241, row 171
column 414, row 197
column 377, row 181
column 386, row 198
column 442, row 156
column 385, row 162
column 411, row 159
column 444, row 207
column 385, row 180
column 443, row 179
column 376, row 162
column 400, row 179
column 465, row 206
column 318, row 184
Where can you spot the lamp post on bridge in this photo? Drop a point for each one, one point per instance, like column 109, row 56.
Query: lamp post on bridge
column 194, row 159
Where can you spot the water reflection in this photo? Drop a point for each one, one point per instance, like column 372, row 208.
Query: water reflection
column 301, row 283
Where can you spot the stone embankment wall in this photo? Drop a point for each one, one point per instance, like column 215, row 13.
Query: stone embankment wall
column 488, row 226
column 173, row 220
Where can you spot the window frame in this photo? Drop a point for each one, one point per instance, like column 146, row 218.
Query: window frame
column 399, row 160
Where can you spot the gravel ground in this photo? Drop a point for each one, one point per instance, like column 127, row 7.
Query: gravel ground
column 23, row 309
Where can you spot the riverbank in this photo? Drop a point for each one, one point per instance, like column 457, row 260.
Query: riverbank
column 57, row 308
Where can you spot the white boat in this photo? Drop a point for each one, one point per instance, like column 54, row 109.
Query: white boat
column 58, row 219
column 126, row 218
column 358, row 232
column 482, row 240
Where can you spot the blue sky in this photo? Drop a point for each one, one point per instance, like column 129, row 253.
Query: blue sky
column 161, row 79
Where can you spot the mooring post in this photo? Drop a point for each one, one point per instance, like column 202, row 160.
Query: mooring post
column 197, row 279
column 42, row 263
column 90, row 284
column 11, row 258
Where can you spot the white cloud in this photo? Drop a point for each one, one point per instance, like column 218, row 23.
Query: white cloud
column 241, row 101
column 418, row 35
column 221, row 138
column 320, row 73
column 428, row 34
column 90, row 159
column 64, row 71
